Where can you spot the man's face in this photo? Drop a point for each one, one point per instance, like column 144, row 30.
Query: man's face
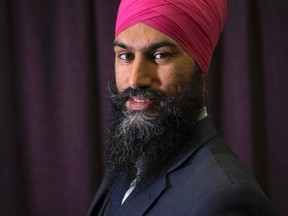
column 148, row 59
column 157, row 96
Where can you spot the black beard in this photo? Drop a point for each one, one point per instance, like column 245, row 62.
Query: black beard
column 140, row 142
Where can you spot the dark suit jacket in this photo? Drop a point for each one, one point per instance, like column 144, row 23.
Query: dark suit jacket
column 205, row 178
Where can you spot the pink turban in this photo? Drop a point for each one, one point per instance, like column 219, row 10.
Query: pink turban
column 194, row 24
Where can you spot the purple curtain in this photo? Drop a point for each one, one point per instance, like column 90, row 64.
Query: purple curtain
column 55, row 59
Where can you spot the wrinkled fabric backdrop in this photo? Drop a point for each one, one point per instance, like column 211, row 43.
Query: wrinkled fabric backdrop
column 55, row 59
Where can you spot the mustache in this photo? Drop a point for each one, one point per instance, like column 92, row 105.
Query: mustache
column 146, row 94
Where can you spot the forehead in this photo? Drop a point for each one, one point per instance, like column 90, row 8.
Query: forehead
column 141, row 35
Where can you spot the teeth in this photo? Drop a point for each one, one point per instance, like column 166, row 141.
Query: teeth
column 140, row 100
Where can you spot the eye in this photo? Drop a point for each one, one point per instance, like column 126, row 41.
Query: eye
column 125, row 56
column 159, row 56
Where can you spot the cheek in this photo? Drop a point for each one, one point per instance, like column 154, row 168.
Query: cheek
column 120, row 80
column 173, row 82
column 170, row 85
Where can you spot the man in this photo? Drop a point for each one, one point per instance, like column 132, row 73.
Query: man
column 163, row 155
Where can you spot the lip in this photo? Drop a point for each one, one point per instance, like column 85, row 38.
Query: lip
column 138, row 103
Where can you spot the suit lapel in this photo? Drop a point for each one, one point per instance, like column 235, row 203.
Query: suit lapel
column 100, row 200
column 140, row 201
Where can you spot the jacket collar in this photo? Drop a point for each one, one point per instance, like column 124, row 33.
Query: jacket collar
column 202, row 134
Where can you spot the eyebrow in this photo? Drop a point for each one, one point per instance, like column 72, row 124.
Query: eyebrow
column 152, row 46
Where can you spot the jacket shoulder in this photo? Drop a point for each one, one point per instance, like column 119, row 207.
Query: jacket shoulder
column 213, row 181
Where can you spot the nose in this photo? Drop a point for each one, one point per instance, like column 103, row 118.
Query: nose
column 142, row 73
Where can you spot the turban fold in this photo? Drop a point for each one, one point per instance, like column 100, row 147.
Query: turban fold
column 195, row 25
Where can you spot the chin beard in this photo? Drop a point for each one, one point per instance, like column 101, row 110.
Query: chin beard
column 140, row 142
